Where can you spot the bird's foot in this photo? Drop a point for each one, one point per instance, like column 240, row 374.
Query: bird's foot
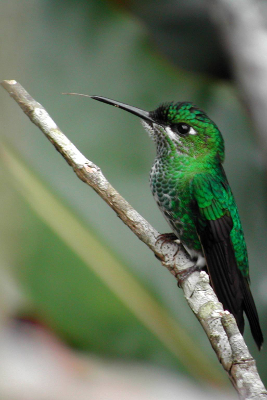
column 167, row 238
column 183, row 275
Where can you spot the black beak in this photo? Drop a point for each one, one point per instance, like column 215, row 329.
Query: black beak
column 133, row 110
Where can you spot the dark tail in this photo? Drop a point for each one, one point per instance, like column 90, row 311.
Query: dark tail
column 226, row 279
column 231, row 288
column 251, row 313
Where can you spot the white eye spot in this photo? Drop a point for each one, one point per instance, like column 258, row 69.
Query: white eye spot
column 192, row 131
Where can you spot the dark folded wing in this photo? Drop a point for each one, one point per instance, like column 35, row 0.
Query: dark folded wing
column 222, row 267
column 214, row 225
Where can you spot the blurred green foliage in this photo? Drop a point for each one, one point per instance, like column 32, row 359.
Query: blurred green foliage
column 97, row 47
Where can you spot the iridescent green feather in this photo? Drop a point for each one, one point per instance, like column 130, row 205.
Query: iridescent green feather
column 215, row 199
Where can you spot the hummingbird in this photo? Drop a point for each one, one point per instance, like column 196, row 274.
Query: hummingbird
column 191, row 189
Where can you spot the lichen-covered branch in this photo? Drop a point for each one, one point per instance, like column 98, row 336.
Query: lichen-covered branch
column 219, row 325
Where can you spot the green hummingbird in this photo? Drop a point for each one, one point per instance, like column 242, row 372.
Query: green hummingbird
column 190, row 187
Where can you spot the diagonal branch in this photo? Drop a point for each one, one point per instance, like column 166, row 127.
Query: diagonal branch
column 219, row 325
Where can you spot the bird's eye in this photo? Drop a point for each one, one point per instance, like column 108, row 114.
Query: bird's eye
column 183, row 129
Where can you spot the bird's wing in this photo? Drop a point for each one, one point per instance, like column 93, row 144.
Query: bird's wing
column 214, row 224
column 213, row 203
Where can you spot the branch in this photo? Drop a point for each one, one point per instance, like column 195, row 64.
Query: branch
column 219, row 325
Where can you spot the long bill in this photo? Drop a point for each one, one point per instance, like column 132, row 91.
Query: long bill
column 133, row 110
